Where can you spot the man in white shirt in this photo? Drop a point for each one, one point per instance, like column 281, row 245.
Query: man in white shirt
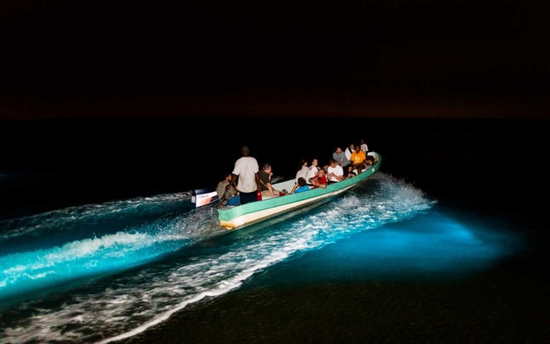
column 335, row 172
column 246, row 169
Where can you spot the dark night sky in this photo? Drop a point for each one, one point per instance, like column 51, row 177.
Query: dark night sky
column 383, row 58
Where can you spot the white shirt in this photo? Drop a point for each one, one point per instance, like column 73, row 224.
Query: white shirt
column 246, row 168
column 302, row 173
column 338, row 170
column 312, row 172
column 348, row 153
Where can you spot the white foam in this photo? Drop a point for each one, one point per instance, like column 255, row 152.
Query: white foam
column 153, row 294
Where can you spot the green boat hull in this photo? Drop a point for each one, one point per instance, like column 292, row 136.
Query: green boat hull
column 254, row 212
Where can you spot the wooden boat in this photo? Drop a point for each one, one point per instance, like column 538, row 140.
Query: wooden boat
column 244, row 215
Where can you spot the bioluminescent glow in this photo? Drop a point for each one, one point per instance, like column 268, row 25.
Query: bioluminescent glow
column 431, row 246
column 172, row 256
column 41, row 251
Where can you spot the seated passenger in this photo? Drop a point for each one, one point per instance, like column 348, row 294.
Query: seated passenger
column 335, row 172
column 349, row 150
column 369, row 160
column 364, row 146
column 358, row 159
column 265, row 182
column 320, row 181
column 302, row 186
column 301, row 172
column 313, row 170
column 351, row 175
column 340, row 157
column 227, row 193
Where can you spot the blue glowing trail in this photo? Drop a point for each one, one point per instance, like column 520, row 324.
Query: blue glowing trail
column 99, row 273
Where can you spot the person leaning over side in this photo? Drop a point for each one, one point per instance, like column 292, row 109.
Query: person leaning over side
column 265, row 180
column 246, row 172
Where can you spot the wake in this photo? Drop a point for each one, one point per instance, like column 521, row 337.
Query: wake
column 175, row 260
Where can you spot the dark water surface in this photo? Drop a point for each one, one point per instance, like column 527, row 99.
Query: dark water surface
column 451, row 246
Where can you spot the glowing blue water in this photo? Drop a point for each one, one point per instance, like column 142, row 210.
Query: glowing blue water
column 103, row 272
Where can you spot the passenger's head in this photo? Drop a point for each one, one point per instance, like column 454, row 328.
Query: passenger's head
column 332, row 162
column 266, row 167
column 245, row 151
column 301, row 181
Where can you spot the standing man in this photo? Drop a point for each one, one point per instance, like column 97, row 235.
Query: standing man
column 246, row 170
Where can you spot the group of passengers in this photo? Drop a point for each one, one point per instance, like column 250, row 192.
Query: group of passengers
column 247, row 183
column 341, row 166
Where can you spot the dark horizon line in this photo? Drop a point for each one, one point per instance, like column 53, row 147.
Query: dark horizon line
column 265, row 105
